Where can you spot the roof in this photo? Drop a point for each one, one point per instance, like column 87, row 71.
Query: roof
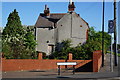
column 54, row 15
column 49, row 21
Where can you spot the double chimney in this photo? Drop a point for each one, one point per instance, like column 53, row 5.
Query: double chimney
column 71, row 8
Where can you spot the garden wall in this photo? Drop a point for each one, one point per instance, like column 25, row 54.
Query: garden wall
column 97, row 60
column 43, row 64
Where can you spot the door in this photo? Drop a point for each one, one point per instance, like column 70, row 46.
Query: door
column 50, row 49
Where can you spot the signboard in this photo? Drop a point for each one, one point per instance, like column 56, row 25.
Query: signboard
column 111, row 26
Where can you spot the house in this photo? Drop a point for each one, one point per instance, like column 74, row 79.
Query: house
column 52, row 28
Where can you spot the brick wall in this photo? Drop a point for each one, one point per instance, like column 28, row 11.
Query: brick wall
column 36, row 64
column 44, row 64
column 97, row 60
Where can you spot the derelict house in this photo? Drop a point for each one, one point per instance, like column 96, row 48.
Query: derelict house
column 52, row 28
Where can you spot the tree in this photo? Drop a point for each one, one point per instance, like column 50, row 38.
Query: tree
column 30, row 42
column 13, row 35
column 17, row 41
column 97, row 37
column 13, row 26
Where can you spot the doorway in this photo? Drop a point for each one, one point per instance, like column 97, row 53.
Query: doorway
column 50, row 49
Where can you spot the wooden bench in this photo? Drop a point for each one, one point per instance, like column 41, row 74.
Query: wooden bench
column 66, row 63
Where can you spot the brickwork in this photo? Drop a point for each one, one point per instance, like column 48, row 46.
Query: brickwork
column 45, row 64
column 97, row 60
column 70, row 56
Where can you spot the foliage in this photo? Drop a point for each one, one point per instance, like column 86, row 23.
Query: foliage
column 118, row 46
column 97, row 37
column 65, row 48
column 119, row 55
column 84, row 51
column 30, row 42
column 17, row 42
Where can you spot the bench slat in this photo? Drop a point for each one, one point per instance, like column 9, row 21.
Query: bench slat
column 67, row 63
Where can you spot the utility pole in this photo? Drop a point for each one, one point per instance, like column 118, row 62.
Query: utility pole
column 115, row 34
column 111, row 56
column 103, row 35
column 111, row 30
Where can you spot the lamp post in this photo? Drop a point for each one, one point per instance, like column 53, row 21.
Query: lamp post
column 103, row 35
column 115, row 34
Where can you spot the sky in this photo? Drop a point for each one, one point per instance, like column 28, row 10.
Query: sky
column 91, row 12
column 118, row 31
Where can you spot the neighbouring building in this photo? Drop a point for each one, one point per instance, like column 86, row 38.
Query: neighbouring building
column 52, row 28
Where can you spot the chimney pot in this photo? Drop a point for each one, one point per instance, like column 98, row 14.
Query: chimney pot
column 46, row 11
column 71, row 7
column 45, row 7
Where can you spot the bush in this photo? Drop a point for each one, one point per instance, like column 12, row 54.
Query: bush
column 85, row 50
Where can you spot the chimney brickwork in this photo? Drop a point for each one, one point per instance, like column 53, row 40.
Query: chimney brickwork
column 46, row 11
column 71, row 7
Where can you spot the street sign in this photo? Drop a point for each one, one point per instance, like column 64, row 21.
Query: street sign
column 111, row 26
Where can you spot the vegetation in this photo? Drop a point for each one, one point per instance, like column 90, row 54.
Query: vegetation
column 118, row 46
column 118, row 49
column 97, row 37
column 85, row 50
column 18, row 42
column 62, row 53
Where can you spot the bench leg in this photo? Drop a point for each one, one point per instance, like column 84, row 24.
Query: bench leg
column 73, row 69
column 58, row 69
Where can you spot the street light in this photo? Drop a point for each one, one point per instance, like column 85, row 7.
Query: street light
column 103, row 35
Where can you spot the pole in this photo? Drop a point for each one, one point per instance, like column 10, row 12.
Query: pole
column 111, row 57
column 103, row 35
column 115, row 33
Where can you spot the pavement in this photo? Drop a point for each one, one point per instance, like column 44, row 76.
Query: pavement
column 103, row 74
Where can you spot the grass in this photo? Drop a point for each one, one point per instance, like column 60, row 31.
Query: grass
column 119, row 55
column 113, row 53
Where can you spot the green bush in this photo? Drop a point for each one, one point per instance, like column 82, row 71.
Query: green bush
column 83, row 51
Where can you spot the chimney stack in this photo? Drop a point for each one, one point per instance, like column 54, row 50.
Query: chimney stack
column 71, row 6
column 46, row 11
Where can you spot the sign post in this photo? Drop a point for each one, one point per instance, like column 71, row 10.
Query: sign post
column 111, row 30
